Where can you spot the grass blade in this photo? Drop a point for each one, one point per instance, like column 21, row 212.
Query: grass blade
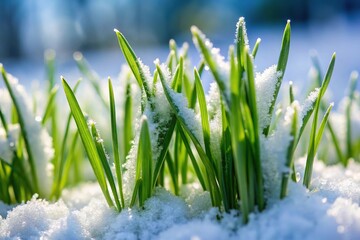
column 256, row 47
column 144, row 157
column 203, row 112
column 105, row 162
column 349, row 148
column 49, row 104
column 23, row 130
column 87, row 140
column 133, row 62
column 115, row 142
column 312, row 142
column 184, row 124
column 320, row 131
column 281, row 66
column 90, row 75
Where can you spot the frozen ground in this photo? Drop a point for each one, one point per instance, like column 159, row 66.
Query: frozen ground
column 329, row 211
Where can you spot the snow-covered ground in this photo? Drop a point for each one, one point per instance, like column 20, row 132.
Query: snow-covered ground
column 329, row 211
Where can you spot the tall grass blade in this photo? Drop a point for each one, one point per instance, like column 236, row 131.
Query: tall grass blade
column 145, row 158
column 87, row 140
column 115, row 141
column 133, row 62
column 23, row 130
column 211, row 170
column 105, row 163
column 281, row 66
column 90, row 75
column 49, row 105
column 312, row 142
column 349, row 148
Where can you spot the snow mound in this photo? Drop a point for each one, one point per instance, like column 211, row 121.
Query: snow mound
column 330, row 210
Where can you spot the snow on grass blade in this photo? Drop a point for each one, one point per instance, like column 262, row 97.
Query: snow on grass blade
column 213, row 59
column 115, row 141
column 87, row 140
column 133, row 62
column 187, row 122
column 312, row 142
column 23, row 129
column 281, row 66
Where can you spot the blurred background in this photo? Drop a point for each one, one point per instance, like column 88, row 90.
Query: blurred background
column 29, row 27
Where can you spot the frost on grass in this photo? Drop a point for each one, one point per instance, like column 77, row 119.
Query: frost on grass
column 241, row 25
column 215, row 119
column 222, row 67
column 266, row 84
column 159, row 114
column 274, row 153
column 39, row 139
column 308, row 104
column 188, row 115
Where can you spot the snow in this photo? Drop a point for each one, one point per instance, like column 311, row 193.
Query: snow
column 241, row 24
column 39, row 139
column 188, row 115
column 266, row 84
column 274, row 153
column 329, row 211
column 221, row 65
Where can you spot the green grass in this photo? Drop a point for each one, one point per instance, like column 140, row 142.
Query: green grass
column 182, row 134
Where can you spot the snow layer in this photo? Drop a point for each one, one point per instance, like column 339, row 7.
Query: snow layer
column 39, row 139
column 266, row 84
column 329, row 211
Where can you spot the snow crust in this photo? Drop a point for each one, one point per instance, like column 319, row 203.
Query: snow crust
column 330, row 210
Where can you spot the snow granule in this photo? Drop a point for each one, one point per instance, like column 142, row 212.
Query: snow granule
column 265, row 84
column 241, row 24
column 222, row 67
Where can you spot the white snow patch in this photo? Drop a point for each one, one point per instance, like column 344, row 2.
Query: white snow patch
column 329, row 211
column 222, row 66
column 265, row 84
column 39, row 139
column 273, row 154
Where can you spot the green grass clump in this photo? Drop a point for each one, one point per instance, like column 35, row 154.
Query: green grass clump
column 240, row 150
column 39, row 162
column 229, row 163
